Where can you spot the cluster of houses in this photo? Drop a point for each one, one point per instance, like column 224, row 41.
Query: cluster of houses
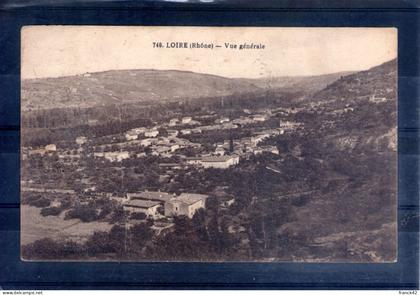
column 222, row 123
column 113, row 156
column 288, row 125
column 184, row 121
column 49, row 148
column 159, row 146
column 134, row 133
column 217, row 162
column 166, row 146
column 223, row 156
column 247, row 146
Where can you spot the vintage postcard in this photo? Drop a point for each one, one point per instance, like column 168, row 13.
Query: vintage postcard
column 208, row 144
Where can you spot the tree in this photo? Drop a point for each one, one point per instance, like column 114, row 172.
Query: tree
column 99, row 243
column 141, row 232
column 199, row 224
column 138, row 215
column 51, row 211
column 231, row 143
column 85, row 213
column 182, row 225
column 215, row 237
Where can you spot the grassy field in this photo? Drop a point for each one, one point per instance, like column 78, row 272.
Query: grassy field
column 34, row 227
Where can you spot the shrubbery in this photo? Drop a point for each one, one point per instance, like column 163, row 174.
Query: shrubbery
column 118, row 215
column 85, row 213
column 36, row 201
column 98, row 209
column 138, row 215
column 51, row 211
column 118, row 242
column 41, row 202
column 50, row 249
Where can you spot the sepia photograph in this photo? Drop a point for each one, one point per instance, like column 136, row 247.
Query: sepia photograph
column 208, row 144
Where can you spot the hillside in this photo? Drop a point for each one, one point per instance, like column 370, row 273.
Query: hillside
column 362, row 108
column 148, row 86
column 125, row 86
column 352, row 133
column 303, row 84
column 379, row 81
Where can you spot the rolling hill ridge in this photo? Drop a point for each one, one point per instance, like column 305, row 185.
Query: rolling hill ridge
column 148, row 86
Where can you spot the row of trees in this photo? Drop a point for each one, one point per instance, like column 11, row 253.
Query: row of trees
column 118, row 243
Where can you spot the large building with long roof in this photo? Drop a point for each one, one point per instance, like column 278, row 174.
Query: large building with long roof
column 150, row 208
column 156, row 196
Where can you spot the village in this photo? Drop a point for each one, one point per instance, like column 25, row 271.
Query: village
column 181, row 144
column 152, row 173
column 210, row 164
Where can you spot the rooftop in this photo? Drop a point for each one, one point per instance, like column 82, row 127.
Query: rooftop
column 152, row 196
column 217, row 158
column 141, row 203
column 192, row 158
column 189, row 199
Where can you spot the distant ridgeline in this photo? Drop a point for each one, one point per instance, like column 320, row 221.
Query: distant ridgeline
column 111, row 102
column 146, row 88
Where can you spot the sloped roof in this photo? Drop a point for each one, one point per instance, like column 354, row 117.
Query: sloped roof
column 190, row 199
column 141, row 203
column 152, row 196
column 217, row 158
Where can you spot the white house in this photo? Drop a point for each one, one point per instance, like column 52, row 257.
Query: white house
column 243, row 121
column 271, row 149
column 193, row 160
column 226, row 203
column 186, row 120
column 150, row 208
column 185, row 131
column 113, row 156
column 288, row 125
column 161, row 151
column 220, row 151
column 222, row 120
column 259, row 138
column 186, row 204
column 172, row 133
column 50, row 148
column 219, row 162
column 81, row 140
column 259, row 118
column 173, row 122
column 174, row 147
column 196, row 130
column 151, row 133
column 229, row 125
column 131, row 135
column 377, row 99
column 139, row 130
column 146, row 142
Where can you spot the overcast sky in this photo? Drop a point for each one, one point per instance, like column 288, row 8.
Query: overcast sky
column 52, row 51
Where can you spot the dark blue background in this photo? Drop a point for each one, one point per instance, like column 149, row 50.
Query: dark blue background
column 16, row 274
